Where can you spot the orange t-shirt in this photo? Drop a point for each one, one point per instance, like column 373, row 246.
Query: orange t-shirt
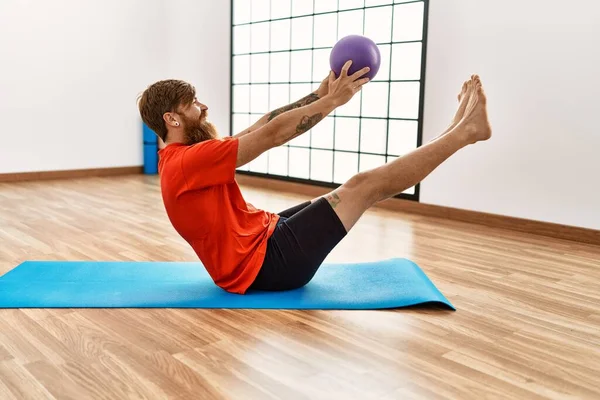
column 204, row 203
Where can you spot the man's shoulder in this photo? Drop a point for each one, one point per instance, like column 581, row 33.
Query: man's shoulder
column 171, row 148
column 210, row 144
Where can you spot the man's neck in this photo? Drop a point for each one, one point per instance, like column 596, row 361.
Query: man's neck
column 175, row 137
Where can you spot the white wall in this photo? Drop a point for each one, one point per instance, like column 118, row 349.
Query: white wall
column 540, row 64
column 199, row 52
column 71, row 70
column 69, row 77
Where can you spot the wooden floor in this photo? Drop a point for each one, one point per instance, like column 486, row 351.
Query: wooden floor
column 527, row 325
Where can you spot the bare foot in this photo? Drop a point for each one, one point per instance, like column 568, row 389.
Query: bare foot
column 474, row 97
column 463, row 99
column 475, row 124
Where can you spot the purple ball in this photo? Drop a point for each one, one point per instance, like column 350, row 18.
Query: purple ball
column 361, row 50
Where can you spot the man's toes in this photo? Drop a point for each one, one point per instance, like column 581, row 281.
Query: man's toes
column 481, row 95
column 469, row 87
column 462, row 91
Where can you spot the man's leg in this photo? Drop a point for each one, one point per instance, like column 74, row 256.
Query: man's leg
column 365, row 189
column 294, row 210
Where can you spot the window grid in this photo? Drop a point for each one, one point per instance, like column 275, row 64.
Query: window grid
column 313, row 82
column 325, row 47
column 337, row 35
column 257, row 114
column 364, row 13
column 312, row 76
column 313, row 14
column 387, row 141
column 412, row 193
column 289, row 155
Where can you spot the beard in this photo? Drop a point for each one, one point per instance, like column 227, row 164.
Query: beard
column 197, row 131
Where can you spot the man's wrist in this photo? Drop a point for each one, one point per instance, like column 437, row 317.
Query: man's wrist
column 329, row 101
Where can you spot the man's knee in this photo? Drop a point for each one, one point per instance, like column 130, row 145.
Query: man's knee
column 362, row 185
column 357, row 182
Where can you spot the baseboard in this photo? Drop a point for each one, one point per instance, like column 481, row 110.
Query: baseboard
column 572, row 233
column 69, row 174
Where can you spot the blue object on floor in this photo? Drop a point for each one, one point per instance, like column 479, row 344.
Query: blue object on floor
column 150, row 151
column 385, row 284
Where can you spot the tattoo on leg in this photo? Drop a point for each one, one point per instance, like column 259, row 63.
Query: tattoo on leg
column 306, row 123
column 333, row 199
column 311, row 98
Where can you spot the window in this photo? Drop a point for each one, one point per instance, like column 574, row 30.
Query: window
column 281, row 53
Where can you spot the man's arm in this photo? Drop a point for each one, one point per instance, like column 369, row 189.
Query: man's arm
column 306, row 100
column 292, row 123
column 283, row 128
column 311, row 98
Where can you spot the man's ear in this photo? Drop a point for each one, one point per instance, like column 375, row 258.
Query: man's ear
column 171, row 119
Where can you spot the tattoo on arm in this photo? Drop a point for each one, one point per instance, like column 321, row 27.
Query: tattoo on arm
column 333, row 199
column 311, row 98
column 306, row 123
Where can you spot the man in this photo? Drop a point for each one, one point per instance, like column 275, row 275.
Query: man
column 244, row 248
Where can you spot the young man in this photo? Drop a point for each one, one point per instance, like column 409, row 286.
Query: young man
column 244, row 248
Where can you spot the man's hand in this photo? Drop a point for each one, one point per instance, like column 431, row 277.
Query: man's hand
column 323, row 89
column 342, row 89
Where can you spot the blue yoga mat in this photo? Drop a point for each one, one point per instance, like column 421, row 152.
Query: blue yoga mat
column 386, row 284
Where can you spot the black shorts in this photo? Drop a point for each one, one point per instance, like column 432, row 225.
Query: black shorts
column 303, row 238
